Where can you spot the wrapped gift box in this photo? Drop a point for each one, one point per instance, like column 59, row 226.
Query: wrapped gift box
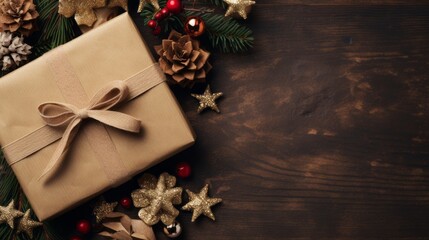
column 99, row 156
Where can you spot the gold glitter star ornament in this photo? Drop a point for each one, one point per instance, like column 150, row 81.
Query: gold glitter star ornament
column 200, row 203
column 26, row 224
column 9, row 213
column 207, row 100
column 156, row 198
column 103, row 209
column 238, row 7
column 154, row 3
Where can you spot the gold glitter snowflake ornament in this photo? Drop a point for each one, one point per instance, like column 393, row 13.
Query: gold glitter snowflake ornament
column 238, row 7
column 83, row 11
column 200, row 203
column 157, row 200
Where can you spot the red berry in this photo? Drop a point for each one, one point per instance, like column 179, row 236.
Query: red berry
column 125, row 202
column 183, row 170
column 174, row 6
column 75, row 238
column 83, row 226
column 159, row 16
column 157, row 30
column 152, row 24
column 165, row 12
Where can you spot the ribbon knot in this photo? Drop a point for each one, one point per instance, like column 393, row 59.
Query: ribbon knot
column 82, row 113
column 67, row 115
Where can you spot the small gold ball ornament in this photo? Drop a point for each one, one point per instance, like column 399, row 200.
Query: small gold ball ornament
column 195, row 26
column 173, row 230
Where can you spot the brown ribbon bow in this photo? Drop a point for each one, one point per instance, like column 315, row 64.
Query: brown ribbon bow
column 67, row 115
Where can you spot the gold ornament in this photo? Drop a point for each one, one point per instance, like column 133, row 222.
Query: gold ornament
column 9, row 213
column 83, row 11
column 200, row 203
column 102, row 209
column 156, row 200
column 118, row 3
column 26, row 224
column 154, row 3
column 207, row 100
column 240, row 7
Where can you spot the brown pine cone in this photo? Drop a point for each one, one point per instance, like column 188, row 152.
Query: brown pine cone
column 18, row 16
column 182, row 58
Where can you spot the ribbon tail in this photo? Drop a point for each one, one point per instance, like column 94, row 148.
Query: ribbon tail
column 59, row 153
column 116, row 119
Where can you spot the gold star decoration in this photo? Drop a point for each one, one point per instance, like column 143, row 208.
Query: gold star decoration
column 207, row 100
column 156, row 198
column 9, row 213
column 83, row 11
column 26, row 224
column 154, row 3
column 200, row 203
column 102, row 209
column 119, row 3
column 240, row 7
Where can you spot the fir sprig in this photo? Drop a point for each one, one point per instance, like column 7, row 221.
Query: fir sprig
column 219, row 3
column 55, row 29
column 226, row 34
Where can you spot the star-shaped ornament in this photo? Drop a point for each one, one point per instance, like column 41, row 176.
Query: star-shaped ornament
column 207, row 100
column 200, row 203
column 83, row 11
column 154, row 3
column 103, row 209
column 26, row 224
column 240, row 7
column 9, row 213
column 157, row 202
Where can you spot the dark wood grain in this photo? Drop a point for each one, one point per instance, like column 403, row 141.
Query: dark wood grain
column 324, row 130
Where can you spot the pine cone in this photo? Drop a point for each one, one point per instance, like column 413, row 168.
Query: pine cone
column 182, row 59
column 18, row 16
column 13, row 50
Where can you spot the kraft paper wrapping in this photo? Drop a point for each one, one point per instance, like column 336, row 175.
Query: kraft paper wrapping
column 114, row 51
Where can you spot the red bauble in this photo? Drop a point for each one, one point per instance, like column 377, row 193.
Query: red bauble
column 157, row 30
column 152, row 24
column 174, row 6
column 83, row 226
column 183, row 170
column 165, row 12
column 75, row 238
column 195, row 26
column 159, row 16
column 125, row 202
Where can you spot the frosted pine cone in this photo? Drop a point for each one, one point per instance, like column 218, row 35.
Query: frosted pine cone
column 13, row 50
column 18, row 16
column 182, row 58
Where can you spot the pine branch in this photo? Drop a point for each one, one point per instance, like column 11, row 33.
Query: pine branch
column 55, row 29
column 224, row 34
column 219, row 3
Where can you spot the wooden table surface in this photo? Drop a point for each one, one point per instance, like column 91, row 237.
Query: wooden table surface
column 324, row 130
